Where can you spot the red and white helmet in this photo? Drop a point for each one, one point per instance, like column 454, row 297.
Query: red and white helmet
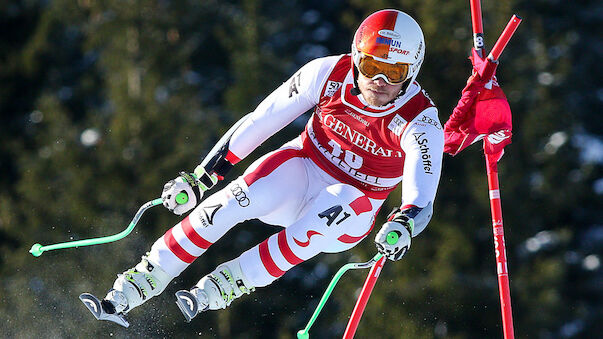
column 390, row 36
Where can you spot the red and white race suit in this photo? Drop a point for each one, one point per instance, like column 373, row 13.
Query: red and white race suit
column 326, row 186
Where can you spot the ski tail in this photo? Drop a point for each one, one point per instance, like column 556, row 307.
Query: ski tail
column 103, row 310
column 187, row 303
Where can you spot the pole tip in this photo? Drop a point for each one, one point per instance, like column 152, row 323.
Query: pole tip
column 302, row 334
column 36, row 250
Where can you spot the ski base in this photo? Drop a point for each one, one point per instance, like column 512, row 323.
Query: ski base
column 102, row 311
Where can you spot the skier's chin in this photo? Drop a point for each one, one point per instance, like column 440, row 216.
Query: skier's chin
column 376, row 98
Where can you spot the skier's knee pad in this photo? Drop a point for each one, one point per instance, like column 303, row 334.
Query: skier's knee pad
column 141, row 283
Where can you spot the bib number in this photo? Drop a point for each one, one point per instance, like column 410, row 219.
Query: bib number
column 351, row 159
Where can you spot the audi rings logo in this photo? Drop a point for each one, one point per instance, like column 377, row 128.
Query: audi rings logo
column 240, row 195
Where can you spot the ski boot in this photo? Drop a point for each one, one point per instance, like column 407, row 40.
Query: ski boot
column 131, row 289
column 215, row 291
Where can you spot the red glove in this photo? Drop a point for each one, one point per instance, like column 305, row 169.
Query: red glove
column 483, row 110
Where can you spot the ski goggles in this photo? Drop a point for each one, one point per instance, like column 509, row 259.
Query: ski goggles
column 394, row 73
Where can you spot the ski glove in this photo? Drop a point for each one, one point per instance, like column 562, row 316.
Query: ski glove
column 393, row 240
column 183, row 193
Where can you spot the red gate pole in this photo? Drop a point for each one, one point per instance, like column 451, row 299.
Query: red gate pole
column 371, row 279
column 500, row 248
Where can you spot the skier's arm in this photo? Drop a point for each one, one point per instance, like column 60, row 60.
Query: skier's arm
column 290, row 100
column 423, row 144
column 294, row 97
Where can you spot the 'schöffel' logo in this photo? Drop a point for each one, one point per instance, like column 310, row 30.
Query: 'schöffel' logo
column 240, row 195
column 424, row 148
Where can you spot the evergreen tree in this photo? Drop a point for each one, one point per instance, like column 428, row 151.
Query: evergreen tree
column 102, row 102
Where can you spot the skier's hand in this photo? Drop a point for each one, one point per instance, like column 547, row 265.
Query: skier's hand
column 393, row 240
column 183, row 193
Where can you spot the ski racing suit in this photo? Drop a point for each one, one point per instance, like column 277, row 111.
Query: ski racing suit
column 324, row 187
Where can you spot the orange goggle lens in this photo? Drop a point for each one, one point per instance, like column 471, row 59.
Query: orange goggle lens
column 395, row 73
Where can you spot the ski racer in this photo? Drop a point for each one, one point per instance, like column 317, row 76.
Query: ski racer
column 372, row 127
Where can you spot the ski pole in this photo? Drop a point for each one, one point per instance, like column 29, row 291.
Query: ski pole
column 371, row 279
column 37, row 249
column 304, row 334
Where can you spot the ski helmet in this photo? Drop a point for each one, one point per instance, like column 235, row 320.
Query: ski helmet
column 388, row 44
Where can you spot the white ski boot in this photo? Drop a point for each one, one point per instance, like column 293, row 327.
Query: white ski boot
column 131, row 289
column 215, row 291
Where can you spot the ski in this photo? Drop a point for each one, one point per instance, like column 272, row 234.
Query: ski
column 187, row 303
column 103, row 310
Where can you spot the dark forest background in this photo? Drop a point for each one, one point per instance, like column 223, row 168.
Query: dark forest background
column 102, row 102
